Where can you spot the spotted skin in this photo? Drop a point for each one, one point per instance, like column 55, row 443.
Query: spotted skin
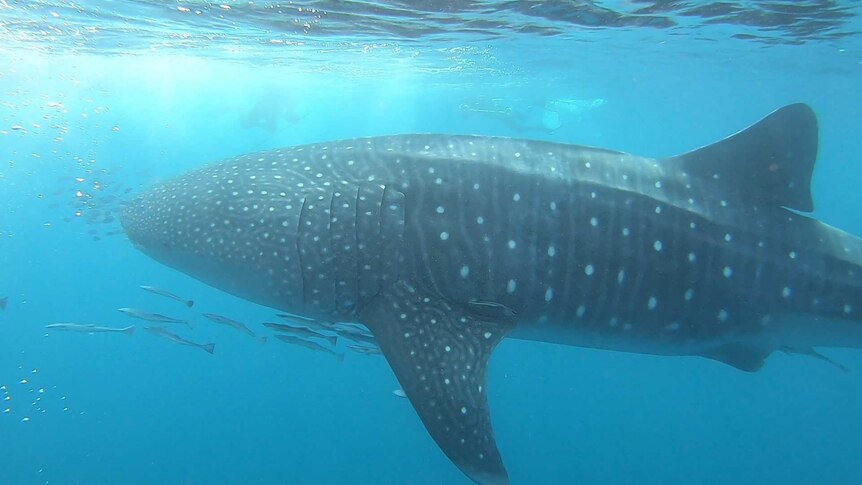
column 443, row 245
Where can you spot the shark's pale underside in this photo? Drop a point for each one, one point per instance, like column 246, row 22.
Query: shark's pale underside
column 442, row 245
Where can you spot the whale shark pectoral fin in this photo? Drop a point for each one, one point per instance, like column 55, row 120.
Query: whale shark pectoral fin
column 439, row 353
column 744, row 357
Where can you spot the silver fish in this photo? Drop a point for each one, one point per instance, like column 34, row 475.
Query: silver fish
column 162, row 332
column 363, row 349
column 351, row 327
column 813, row 353
column 326, row 325
column 230, row 322
column 294, row 316
column 305, row 332
column 3, row 302
column 167, row 294
column 491, row 309
column 290, row 339
column 355, row 335
column 152, row 317
column 306, row 322
column 89, row 328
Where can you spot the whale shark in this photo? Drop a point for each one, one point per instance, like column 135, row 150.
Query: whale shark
column 442, row 245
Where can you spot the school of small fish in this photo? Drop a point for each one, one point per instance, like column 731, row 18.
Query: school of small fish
column 296, row 330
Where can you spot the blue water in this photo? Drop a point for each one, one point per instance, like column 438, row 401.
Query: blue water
column 100, row 99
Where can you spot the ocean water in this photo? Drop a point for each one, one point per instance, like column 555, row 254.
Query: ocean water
column 101, row 99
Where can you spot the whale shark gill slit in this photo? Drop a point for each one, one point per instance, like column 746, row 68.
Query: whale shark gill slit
column 439, row 354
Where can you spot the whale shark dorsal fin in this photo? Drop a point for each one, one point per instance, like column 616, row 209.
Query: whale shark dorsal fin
column 770, row 162
column 439, row 353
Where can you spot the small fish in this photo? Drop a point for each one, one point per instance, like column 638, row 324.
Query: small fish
column 89, row 328
column 363, row 349
column 163, row 332
column 168, row 294
column 3, row 302
column 230, row 322
column 290, row 339
column 399, row 393
column 152, row 317
column 325, row 325
column 351, row 327
column 813, row 353
column 305, row 321
column 355, row 335
column 294, row 316
column 491, row 309
column 305, row 332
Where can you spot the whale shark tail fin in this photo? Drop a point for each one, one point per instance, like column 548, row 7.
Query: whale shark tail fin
column 770, row 162
column 439, row 353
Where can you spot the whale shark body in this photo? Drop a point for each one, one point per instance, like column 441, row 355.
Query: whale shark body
column 443, row 245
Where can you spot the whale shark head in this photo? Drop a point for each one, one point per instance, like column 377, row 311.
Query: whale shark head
column 316, row 231
column 293, row 229
column 232, row 225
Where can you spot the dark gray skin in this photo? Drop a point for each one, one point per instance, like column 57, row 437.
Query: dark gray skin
column 443, row 245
